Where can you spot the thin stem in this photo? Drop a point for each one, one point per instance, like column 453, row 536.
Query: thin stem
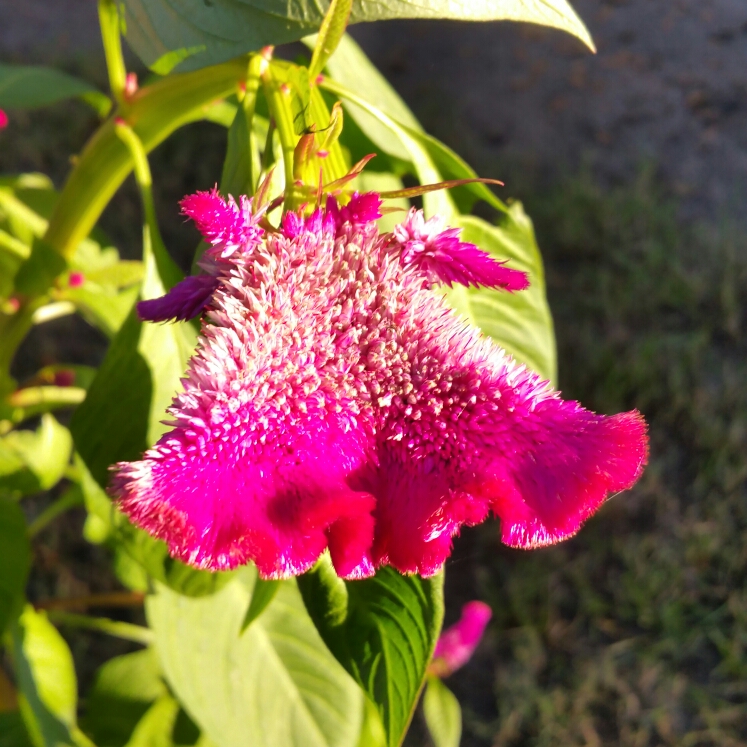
column 278, row 97
column 116, row 628
column 167, row 270
column 154, row 112
column 109, row 21
column 111, row 599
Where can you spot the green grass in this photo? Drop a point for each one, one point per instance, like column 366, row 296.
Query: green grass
column 634, row 632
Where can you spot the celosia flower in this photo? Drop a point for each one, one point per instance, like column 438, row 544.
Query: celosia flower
column 3, row 120
column 457, row 644
column 335, row 401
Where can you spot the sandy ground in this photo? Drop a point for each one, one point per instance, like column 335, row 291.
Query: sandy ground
column 668, row 86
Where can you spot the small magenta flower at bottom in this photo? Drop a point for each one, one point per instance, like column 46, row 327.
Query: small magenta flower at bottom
column 336, row 402
column 457, row 644
column 3, row 120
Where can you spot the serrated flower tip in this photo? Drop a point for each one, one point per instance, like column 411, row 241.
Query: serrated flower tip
column 224, row 224
column 438, row 251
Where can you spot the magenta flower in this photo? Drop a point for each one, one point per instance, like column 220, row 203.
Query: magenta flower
column 3, row 120
column 335, row 401
column 228, row 227
column 457, row 644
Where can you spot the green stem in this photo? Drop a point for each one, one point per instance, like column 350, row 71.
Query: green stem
column 12, row 331
column 154, row 112
column 126, row 631
column 109, row 21
column 279, row 103
column 167, row 270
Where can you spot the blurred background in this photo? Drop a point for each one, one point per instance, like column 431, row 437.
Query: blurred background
column 633, row 164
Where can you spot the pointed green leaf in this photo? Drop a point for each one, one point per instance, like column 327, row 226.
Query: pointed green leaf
column 25, row 86
column 331, row 31
column 47, row 687
column 204, row 33
column 31, row 461
column 443, row 714
column 275, row 685
column 263, row 593
column 15, row 560
column 156, row 726
column 382, row 630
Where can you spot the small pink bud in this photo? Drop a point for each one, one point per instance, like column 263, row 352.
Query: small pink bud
column 457, row 644
column 76, row 279
column 3, row 120
column 11, row 305
column 319, row 79
column 322, row 153
column 285, row 88
column 131, row 85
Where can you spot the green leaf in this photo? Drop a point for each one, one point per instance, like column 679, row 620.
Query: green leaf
column 263, row 593
column 156, row 726
column 15, row 560
column 138, row 557
column 124, row 689
column 159, row 30
column 31, row 461
column 121, row 416
column 275, row 685
column 521, row 322
column 102, row 307
column 348, row 66
column 45, row 676
column 443, row 714
column 331, row 31
column 25, row 86
column 382, row 630
column 372, row 731
column 13, row 731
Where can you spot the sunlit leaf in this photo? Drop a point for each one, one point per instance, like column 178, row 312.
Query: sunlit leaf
column 520, row 322
column 275, row 685
column 330, row 33
column 31, row 461
column 195, row 33
column 45, row 676
column 443, row 714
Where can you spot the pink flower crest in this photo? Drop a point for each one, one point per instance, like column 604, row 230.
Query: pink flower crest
column 457, row 644
column 336, row 402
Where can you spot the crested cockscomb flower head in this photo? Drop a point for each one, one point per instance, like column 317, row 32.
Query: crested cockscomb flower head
column 457, row 644
column 336, row 402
